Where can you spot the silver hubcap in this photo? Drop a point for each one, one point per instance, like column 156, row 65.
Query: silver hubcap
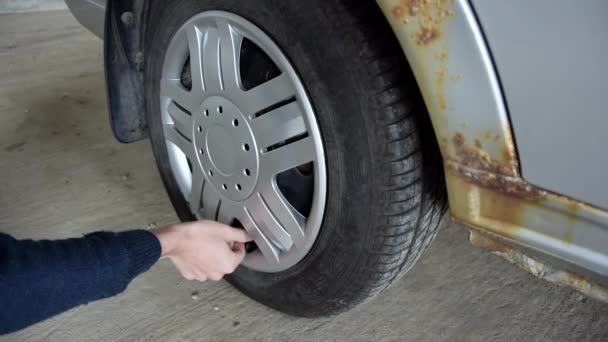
column 227, row 145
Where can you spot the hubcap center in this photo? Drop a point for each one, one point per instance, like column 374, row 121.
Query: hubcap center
column 225, row 148
column 222, row 150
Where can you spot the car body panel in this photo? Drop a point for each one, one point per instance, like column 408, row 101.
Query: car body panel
column 553, row 72
column 447, row 51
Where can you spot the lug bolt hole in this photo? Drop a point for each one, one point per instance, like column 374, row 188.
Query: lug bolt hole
column 199, row 128
column 246, row 147
column 201, row 151
column 247, row 172
column 224, row 187
column 238, row 187
column 235, row 122
column 220, row 109
column 210, row 173
column 206, row 112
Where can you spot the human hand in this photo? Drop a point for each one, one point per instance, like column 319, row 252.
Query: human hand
column 203, row 250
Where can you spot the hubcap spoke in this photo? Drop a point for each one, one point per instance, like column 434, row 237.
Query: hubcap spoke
column 264, row 217
column 196, row 190
column 290, row 220
column 172, row 135
column 211, row 202
column 230, row 52
column 267, row 248
column 211, row 60
column 279, row 125
column 228, row 211
column 267, row 95
column 195, row 38
column 287, row 157
column 221, row 57
column 173, row 89
column 181, row 120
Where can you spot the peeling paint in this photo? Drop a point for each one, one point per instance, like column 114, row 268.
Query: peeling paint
column 478, row 144
column 509, row 185
column 474, row 157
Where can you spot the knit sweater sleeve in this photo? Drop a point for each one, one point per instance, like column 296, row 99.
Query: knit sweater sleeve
column 39, row 279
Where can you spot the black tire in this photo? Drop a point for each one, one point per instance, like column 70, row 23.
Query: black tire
column 386, row 196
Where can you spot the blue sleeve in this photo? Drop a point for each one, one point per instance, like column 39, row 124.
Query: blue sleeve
column 39, row 279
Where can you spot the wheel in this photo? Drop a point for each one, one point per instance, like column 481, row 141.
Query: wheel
column 298, row 122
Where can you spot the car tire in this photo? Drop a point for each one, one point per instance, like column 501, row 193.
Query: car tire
column 385, row 189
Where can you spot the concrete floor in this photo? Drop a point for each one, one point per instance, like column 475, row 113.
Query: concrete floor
column 64, row 175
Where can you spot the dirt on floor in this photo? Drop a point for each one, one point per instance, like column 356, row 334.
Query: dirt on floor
column 63, row 175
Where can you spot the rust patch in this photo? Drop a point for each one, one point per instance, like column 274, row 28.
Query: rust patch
column 458, row 140
column 440, row 93
column 475, row 158
column 413, row 6
column 538, row 269
column 497, row 137
column 487, row 135
column 573, row 207
column 427, row 35
column 511, row 186
column 397, row 12
column 442, row 56
column 430, row 14
column 508, row 156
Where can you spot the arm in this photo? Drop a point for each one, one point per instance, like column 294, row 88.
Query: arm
column 39, row 279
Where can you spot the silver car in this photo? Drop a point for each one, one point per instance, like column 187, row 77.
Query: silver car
column 339, row 133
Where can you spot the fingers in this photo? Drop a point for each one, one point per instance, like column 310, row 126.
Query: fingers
column 237, row 246
column 235, row 234
column 239, row 255
column 210, row 253
column 216, row 276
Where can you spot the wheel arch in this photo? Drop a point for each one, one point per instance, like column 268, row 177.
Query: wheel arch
column 452, row 65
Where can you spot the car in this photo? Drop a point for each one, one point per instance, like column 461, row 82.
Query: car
column 340, row 134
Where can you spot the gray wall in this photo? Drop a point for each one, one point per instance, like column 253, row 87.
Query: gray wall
column 11, row 6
